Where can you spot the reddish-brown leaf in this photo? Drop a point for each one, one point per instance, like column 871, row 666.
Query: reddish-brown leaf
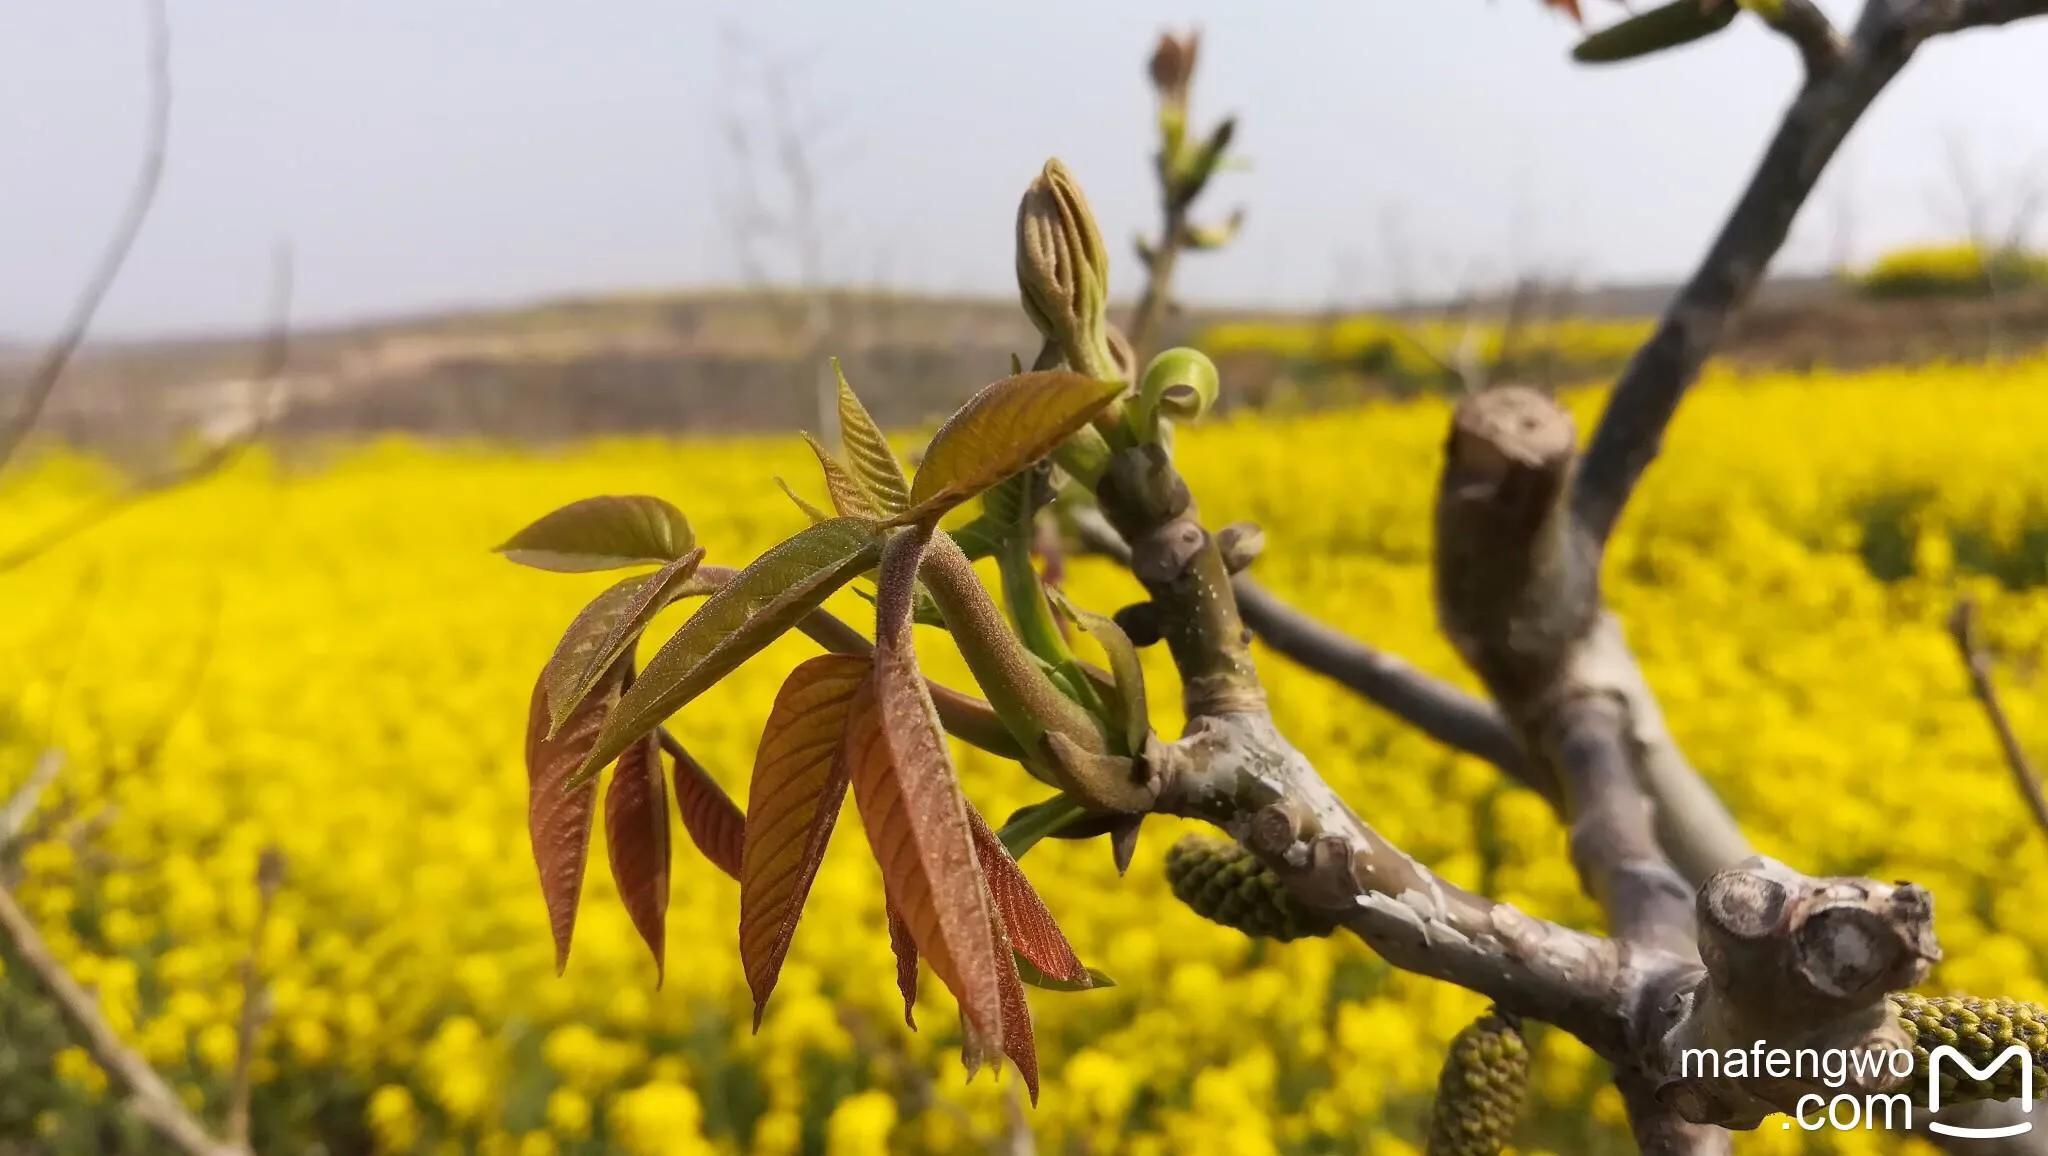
column 1018, row 1043
column 798, row 785
column 636, row 833
column 748, row 612
column 603, row 630
column 1031, row 929
column 713, row 821
column 911, row 806
column 558, row 821
column 906, row 963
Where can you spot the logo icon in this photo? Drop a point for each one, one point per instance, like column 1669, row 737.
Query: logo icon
column 2015, row 1052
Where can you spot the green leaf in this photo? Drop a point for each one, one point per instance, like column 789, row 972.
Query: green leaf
column 605, row 533
column 757, row 605
column 1125, row 669
column 1667, row 26
column 868, row 452
column 1007, row 505
column 924, row 611
column 1180, row 385
column 977, row 539
column 606, row 629
column 1024, row 828
column 1002, row 429
column 1029, row 973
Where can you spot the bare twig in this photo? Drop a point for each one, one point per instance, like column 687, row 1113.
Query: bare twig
column 1962, row 626
column 255, row 997
column 22, row 804
column 50, row 370
column 148, row 1096
column 269, row 374
column 1438, row 709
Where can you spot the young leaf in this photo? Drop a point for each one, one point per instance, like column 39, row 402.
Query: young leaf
column 849, row 498
column 1124, row 667
column 1027, row 825
column 910, row 803
column 636, row 833
column 1032, row 932
column 1018, row 1042
column 603, row 534
column 714, row 824
column 905, row 951
column 746, row 614
column 1655, row 29
column 868, row 452
column 558, row 820
column 1033, row 977
column 1002, row 429
column 799, row 783
column 605, row 629
column 925, row 613
column 810, row 511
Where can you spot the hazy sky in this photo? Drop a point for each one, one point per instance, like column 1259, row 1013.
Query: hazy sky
column 425, row 153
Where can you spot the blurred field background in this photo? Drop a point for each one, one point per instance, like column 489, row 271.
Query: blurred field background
column 261, row 718
column 315, row 650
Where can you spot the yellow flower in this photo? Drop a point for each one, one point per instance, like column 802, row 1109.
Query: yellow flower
column 860, row 1125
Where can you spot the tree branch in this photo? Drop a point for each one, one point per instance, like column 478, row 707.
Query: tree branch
column 1957, row 15
column 1831, row 949
column 1438, row 709
column 1650, row 388
column 269, row 374
column 1962, row 626
column 50, row 370
column 148, row 1096
column 1802, row 22
column 255, row 998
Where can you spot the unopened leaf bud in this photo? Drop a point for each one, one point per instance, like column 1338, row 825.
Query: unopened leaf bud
column 1063, row 271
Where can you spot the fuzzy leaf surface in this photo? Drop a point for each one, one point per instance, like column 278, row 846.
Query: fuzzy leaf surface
column 1005, row 427
column 713, row 821
column 1030, row 926
column 850, row 499
column 603, row 533
column 792, row 804
column 747, row 613
column 607, row 628
column 637, row 837
column 917, row 821
column 868, row 453
column 558, row 820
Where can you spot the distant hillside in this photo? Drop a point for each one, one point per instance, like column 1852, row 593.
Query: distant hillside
column 733, row 361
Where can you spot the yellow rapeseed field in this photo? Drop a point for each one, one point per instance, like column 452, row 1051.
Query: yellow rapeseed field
column 324, row 655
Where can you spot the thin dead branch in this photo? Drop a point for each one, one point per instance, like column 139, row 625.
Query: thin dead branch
column 269, row 375
column 147, row 1095
column 49, row 370
column 255, row 997
column 1962, row 626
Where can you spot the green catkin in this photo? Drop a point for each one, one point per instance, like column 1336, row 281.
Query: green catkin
column 1224, row 883
column 1980, row 1029
column 1479, row 1095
